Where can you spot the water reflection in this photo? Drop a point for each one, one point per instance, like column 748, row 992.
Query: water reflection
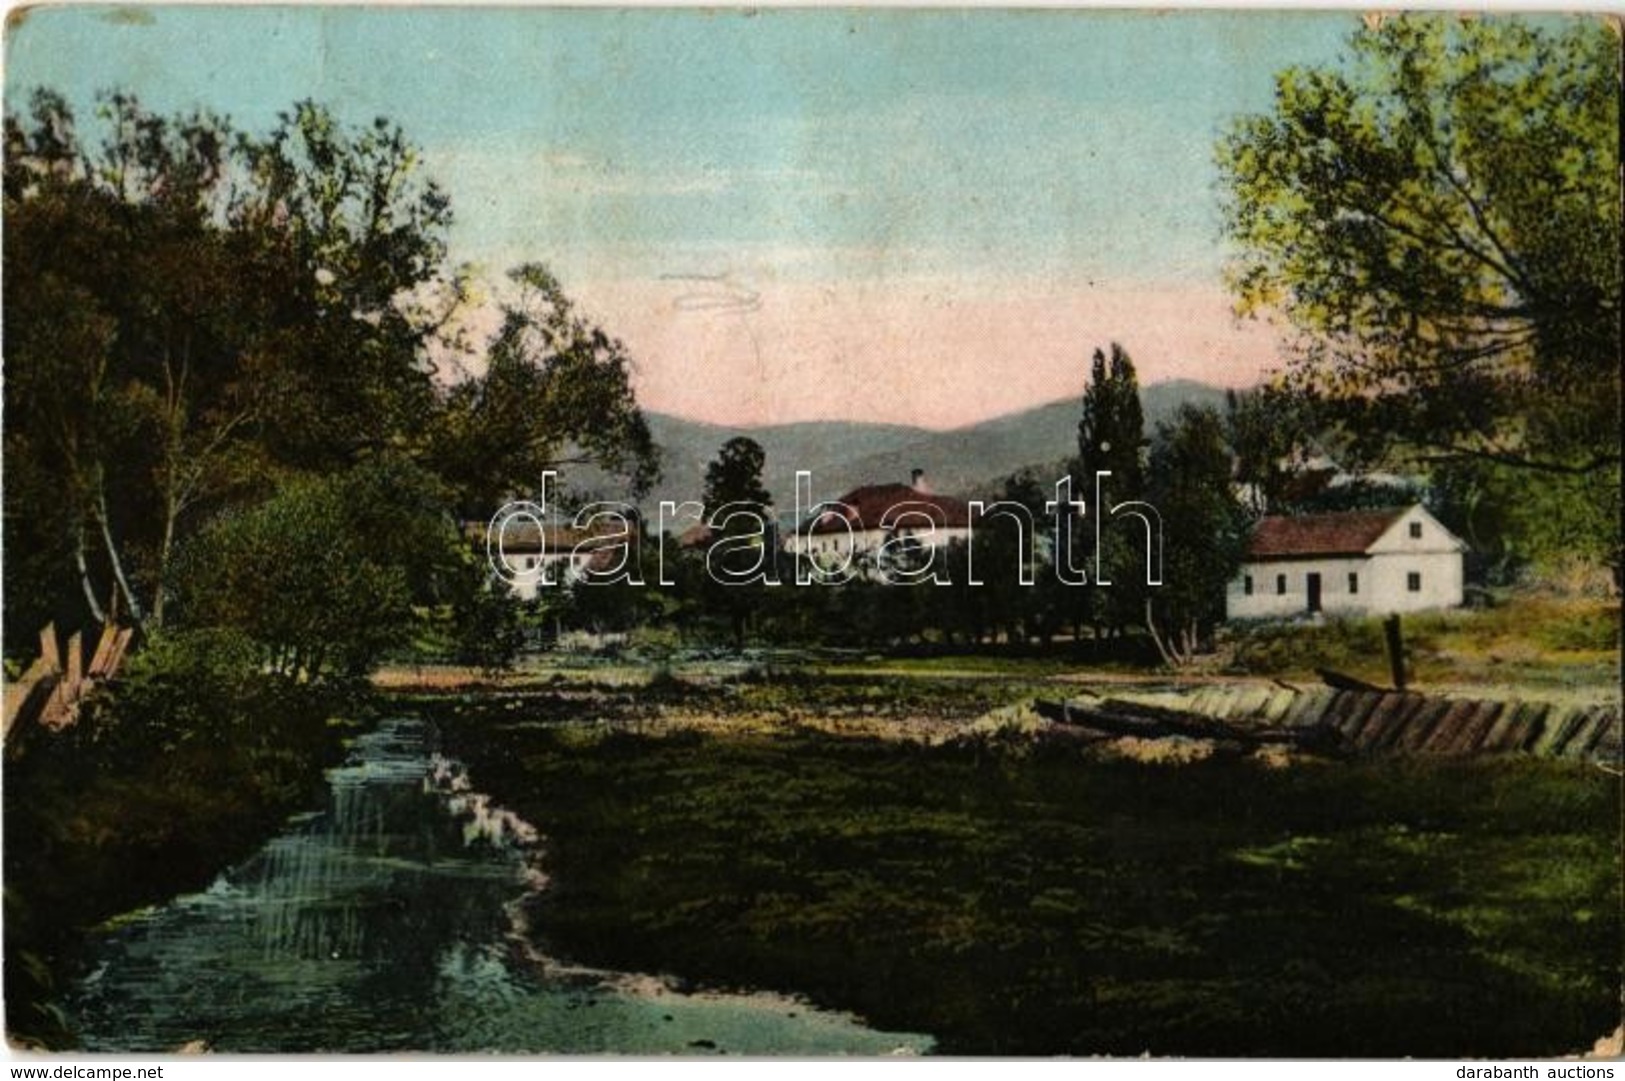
column 387, row 923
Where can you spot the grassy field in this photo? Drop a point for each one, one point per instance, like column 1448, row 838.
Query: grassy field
column 1525, row 641
column 1524, row 644
column 1019, row 897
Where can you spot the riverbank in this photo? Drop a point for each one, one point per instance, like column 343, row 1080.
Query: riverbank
column 388, row 918
column 1014, row 896
column 128, row 808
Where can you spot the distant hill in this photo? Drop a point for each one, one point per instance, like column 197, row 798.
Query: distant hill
column 968, row 460
column 842, row 455
column 823, row 447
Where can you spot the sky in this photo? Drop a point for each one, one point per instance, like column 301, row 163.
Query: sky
column 925, row 217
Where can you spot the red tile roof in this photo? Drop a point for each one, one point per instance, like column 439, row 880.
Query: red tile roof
column 522, row 535
column 1347, row 533
column 878, row 506
column 695, row 536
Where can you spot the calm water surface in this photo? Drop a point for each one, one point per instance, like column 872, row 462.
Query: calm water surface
column 389, row 921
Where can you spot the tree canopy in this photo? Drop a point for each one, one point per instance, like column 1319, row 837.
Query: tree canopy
column 1438, row 219
column 735, row 476
column 197, row 317
column 1205, row 531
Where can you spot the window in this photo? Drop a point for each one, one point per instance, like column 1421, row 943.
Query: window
column 1354, row 582
column 1247, row 585
column 1416, row 531
column 1280, row 584
column 1413, row 582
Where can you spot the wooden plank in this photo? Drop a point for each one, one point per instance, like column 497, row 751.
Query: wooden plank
column 121, row 646
column 104, row 646
column 1279, row 703
column 1368, row 706
column 1420, row 726
column 1415, row 705
column 1382, row 724
column 1471, row 738
column 1338, row 707
column 19, row 691
column 1309, row 709
column 1539, row 718
column 1607, row 723
column 1503, row 734
column 1573, row 740
column 1341, row 682
column 1560, row 728
column 74, row 670
column 1443, row 736
column 50, row 650
column 1120, row 718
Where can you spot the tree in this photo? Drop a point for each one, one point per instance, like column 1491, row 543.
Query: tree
column 1204, row 530
column 124, row 387
column 1111, row 431
column 742, row 538
column 556, row 392
column 197, row 317
column 1269, row 433
column 323, row 576
column 193, row 312
column 1111, row 438
column 1438, row 219
column 735, row 476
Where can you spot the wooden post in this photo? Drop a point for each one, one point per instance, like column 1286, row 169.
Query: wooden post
column 1396, row 650
column 50, row 649
column 74, row 668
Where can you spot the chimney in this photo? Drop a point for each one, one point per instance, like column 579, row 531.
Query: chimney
column 917, row 481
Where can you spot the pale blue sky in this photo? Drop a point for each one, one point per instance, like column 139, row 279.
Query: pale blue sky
column 1015, row 141
column 834, row 152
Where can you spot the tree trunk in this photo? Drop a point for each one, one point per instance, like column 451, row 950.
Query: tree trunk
column 1156, row 637
column 113, row 558
column 159, row 594
column 84, row 575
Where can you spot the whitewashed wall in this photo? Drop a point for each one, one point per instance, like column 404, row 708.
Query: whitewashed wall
column 1384, row 575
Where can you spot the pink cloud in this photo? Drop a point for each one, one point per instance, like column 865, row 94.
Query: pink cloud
column 935, row 354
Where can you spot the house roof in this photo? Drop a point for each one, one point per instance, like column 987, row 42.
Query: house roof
column 523, row 536
column 1346, row 533
column 878, row 506
column 697, row 535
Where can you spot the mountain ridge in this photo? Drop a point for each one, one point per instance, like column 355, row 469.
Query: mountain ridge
column 842, row 455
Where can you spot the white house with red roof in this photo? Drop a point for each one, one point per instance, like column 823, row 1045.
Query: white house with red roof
column 865, row 518
column 558, row 555
column 1370, row 562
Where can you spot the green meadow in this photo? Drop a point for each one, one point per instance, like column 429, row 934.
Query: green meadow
column 1028, row 896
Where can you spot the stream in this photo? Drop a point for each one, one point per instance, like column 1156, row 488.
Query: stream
column 392, row 920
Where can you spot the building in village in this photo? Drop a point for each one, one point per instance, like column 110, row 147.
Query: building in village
column 559, row 554
column 862, row 520
column 1371, row 562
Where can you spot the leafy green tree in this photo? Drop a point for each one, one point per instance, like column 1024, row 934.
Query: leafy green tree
column 322, row 577
column 1438, row 218
column 1111, row 431
column 124, row 388
column 196, row 317
column 1204, row 534
column 556, row 393
column 191, row 312
column 1111, row 438
column 735, row 476
column 1269, row 430
column 489, row 628
column 734, row 489
column 344, row 231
